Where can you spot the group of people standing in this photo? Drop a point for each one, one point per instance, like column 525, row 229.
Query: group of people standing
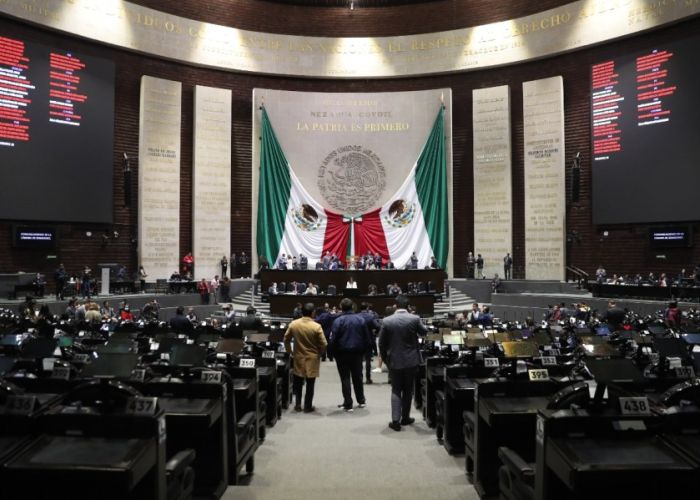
column 475, row 266
column 349, row 338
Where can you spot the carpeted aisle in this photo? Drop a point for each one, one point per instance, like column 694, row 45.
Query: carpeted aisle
column 335, row 455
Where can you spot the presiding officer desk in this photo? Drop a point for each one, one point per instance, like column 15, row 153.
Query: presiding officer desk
column 283, row 305
column 380, row 278
column 687, row 292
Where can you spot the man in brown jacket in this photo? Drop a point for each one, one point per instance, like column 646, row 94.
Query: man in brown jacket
column 309, row 344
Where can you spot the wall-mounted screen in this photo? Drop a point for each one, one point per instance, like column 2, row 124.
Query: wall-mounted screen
column 33, row 236
column 645, row 123
column 56, row 133
column 670, row 236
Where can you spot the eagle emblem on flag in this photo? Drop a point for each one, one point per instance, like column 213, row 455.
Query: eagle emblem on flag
column 306, row 218
column 400, row 213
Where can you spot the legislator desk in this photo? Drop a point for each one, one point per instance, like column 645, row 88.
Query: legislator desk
column 283, row 305
column 686, row 293
column 380, row 278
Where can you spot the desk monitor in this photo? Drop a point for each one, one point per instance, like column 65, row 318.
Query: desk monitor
column 600, row 350
column 452, row 339
column 188, row 355
column 111, row 365
column 671, row 348
column 524, row 349
column 233, row 346
column 602, row 329
column 691, row 338
column 6, row 364
column 475, row 335
column 39, row 348
column 499, row 337
column 118, row 346
column 277, row 336
column 433, row 337
column 541, row 337
column 254, row 337
column 445, row 331
column 477, row 342
column 166, row 344
column 614, row 371
column 11, row 340
column 657, row 330
column 205, row 338
column 65, row 341
column 592, row 339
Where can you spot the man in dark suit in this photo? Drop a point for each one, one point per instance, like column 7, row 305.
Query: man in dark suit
column 398, row 347
column 179, row 323
column 507, row 266
column 614, row 316
column 250, row 321
column 350, row 339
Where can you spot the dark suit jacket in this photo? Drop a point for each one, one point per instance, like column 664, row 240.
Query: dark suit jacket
column 398, row 340
column 181, row 324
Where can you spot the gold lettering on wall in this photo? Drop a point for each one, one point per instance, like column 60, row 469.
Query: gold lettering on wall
column 575, row 25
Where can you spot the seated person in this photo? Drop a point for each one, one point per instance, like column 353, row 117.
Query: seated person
column 372, row 289
column 179, row 323
column 495, row 284
column 486, row 316
column 191, row 315
column 126, row 314
column 434, row 263
column 474, row 316
column 121, row 273
column 389, row 265
column 394, row 289
column 351, row 283
column 39, row 284
column 319, row 266
column 311, row 289
column 230, row 314
column 272, row 289
column 250, row 321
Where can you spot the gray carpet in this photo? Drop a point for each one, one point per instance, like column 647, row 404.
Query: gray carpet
column 338, row 455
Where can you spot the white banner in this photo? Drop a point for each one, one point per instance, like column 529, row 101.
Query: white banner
column 493, row 210
column 159, row 176
column 334, row 140
column 545, row 190
column 211, row 180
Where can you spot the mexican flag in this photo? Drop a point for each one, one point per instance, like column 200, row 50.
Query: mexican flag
column 415, row 218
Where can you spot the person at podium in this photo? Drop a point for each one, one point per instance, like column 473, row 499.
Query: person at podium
column 351, row 283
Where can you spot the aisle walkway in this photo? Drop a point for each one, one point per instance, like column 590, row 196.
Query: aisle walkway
column 335, row 455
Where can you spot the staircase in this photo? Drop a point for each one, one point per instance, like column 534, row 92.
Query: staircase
column 243, row 300
column 453, row 301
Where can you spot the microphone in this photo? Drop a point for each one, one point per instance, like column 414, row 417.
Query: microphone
column 576, row 178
